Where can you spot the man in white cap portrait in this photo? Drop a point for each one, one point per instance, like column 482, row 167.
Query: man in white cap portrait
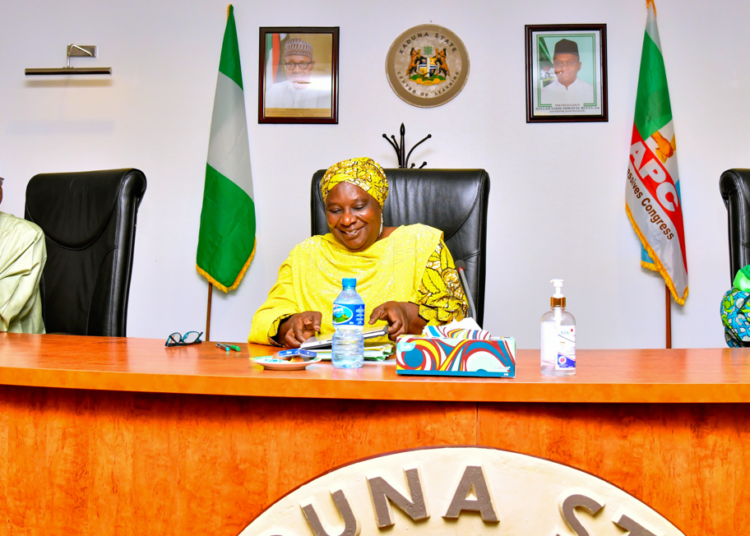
column 299, row 90
column 567, row 88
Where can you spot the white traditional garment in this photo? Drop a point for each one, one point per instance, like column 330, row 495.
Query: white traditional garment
column 283, row 95
column 22, row 257
column 579, row 92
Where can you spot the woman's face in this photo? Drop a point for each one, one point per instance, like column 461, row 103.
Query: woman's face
column 354, row 216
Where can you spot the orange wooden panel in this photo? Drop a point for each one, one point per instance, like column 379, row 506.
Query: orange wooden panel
column 129, row 459
column 691, row 462
column 145, row 365
column 97, row 462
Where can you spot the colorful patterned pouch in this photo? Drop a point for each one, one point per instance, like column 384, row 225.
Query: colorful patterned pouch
column 735, row 311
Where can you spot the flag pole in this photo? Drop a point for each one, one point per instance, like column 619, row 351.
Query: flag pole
column 208, row 313
column 669, row 318
column 226, row 239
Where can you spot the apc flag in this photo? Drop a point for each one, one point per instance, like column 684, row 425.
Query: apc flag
column 652, row 193
column 226, row 242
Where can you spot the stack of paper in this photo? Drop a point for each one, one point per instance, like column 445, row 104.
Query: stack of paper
column 374, row 351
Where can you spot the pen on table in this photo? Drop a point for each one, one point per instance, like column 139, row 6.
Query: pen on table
column 228, row 346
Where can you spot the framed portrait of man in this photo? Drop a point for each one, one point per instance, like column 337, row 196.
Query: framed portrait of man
column 299, row 75
column 566, row 73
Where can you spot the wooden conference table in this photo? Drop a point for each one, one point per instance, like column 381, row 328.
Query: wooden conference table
column 125, row 436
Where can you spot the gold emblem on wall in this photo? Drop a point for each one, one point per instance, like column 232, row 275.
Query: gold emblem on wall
column 427, row 66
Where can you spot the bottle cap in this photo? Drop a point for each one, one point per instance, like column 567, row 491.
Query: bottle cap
column 557, row 299
column 349, row 282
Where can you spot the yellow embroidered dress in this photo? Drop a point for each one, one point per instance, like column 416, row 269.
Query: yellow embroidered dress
column 411, row 265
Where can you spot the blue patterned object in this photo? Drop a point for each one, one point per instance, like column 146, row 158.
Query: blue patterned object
column 417, row 355
column 735, row 311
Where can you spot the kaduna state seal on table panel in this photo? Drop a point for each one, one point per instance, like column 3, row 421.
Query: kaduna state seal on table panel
column 427, row 66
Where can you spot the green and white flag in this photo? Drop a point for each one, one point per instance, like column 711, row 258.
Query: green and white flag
column 226, row 243
column 652, row 192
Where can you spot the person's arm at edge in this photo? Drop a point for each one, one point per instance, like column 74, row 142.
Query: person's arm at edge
column 279, row 306
column 19, row 290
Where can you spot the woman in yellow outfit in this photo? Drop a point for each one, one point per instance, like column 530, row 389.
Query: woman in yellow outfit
column 405, row 275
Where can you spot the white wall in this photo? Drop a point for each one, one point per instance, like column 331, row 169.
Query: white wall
column 556, row 207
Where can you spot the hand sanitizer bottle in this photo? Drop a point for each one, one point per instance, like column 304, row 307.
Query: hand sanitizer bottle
column 558, row 337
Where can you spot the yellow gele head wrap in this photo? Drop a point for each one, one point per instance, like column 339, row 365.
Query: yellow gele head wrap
column 362, row 172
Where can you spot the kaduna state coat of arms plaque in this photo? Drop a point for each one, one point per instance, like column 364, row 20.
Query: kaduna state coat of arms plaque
column 427, row 66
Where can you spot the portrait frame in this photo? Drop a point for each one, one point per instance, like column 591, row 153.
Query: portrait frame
column 299, row 95
column 551, row 97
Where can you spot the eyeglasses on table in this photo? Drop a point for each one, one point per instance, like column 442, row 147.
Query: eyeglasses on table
column 177, row 339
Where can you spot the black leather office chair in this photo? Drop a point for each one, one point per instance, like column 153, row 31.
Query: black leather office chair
column 452, row 200
column 89, row 220
column 735, row 190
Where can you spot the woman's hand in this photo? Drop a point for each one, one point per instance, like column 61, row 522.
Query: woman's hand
column 402, row 317
column 298, row 328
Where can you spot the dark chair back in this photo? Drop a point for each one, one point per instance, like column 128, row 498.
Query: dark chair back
column 88, row 219
column 735, row 190
column 452, row 200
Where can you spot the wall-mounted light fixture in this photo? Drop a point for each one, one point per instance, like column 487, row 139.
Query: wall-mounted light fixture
column 88, row 51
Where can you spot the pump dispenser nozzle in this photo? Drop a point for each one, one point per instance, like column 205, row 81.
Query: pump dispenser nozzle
column 557, row 299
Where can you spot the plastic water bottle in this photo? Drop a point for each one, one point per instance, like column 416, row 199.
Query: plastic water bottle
column 558, row 349
column 349, row 320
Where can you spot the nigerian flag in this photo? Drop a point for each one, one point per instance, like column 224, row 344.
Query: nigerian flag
column 652, row 192
column 226, row 243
